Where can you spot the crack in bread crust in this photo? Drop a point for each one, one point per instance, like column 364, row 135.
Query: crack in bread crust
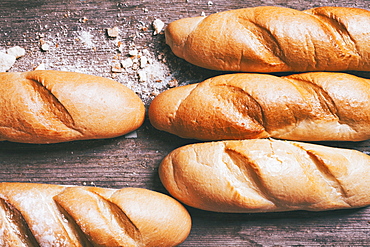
column 55, row 106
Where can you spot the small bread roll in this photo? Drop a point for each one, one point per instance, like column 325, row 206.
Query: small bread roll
column 315, row 106
column 266, row 175
column 275, row 39
column 54, row 215
column 44, row 106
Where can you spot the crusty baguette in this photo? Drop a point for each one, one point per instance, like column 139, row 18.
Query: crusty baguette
column 266, row 175
column 55, row 215
column 275, row 39
column 313, row 106
column 54, row 106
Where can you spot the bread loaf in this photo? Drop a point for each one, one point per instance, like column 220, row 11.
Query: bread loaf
column 275, row 39
column 54, row 106
column 51, row 215
column 315, row 106
column 266, row 175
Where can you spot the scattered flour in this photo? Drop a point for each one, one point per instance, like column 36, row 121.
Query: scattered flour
column 86, row 38
column 145, row 74
column 139, row 68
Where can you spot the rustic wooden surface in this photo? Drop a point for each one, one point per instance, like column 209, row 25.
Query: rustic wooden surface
column 76, row 32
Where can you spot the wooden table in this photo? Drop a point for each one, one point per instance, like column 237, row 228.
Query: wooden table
column 76, row 33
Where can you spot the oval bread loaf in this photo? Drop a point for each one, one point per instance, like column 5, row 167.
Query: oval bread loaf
column 53, row 215
column 266, row 175
column 53, row 106
column 316, row 106
column 275, row 39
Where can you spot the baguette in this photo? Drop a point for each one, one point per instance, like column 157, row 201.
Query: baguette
column 315, row 106
column 56, row 215
column 275, row 39
column 54, row 106
column 266, row 175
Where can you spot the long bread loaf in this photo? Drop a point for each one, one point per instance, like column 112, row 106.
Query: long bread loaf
column 266, row 175
column 275, row 39
column 51, row 215
column 55, row 106
column 314, row 106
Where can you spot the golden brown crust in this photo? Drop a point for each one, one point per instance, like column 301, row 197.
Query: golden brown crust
column 275, row 39
column 54, row 215
column 266, row 175
column 314, row 106
column 55, row 106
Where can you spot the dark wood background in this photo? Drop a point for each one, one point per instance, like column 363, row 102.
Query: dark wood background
column 76, row 32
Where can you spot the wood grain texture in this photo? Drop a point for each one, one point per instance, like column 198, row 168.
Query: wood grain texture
column 76, row 30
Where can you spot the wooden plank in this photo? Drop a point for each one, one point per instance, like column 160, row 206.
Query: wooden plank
column 76, row 31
